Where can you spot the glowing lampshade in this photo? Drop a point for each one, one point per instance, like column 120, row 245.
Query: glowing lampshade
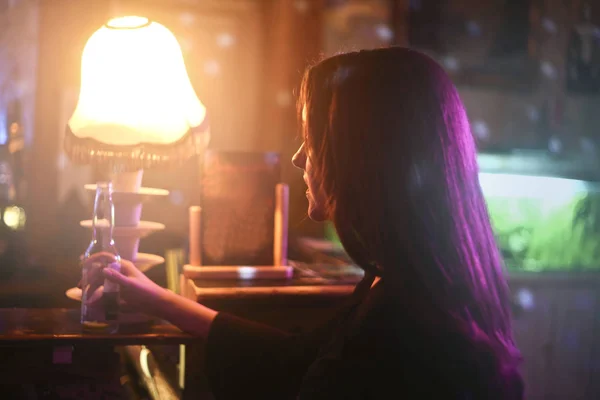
column 136, row 105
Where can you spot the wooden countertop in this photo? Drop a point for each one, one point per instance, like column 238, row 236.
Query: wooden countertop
column 57, row 327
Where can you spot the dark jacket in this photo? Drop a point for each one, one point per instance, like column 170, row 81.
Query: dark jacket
column 361, row 354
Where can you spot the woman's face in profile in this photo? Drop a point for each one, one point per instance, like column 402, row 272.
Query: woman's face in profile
column 316, row 198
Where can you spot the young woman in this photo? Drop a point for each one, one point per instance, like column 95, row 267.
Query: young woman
column 389, row 158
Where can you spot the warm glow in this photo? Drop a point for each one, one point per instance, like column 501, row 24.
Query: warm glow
column 134, row 86
column 14, row 217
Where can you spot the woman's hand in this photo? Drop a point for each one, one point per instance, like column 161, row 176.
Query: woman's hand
column 145, row 296
column 136, row 290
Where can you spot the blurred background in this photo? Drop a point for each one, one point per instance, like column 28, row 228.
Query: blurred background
column 527, row 70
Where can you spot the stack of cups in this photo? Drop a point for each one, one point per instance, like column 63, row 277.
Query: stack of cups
column 128, row 212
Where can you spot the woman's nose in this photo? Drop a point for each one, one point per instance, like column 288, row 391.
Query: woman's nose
column 299, row 159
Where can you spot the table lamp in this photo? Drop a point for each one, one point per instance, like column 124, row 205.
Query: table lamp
column 137, row 109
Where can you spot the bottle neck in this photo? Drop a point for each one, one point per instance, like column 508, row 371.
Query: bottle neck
column 103, row 220
column 96, row 216
column 109, row 216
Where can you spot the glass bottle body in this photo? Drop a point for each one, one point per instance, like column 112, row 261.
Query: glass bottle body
column 100, row 297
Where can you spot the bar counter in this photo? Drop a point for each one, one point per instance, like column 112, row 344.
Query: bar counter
column 61, row 327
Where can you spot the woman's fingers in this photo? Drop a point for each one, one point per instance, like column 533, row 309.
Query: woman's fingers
column 94, row 294
column 94, row 272
column 115, row 276
column 101, row 258
column 128, row 269
column 96, row 262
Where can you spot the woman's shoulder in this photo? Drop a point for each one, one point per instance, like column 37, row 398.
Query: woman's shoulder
column 376, row 315
column 384, row 343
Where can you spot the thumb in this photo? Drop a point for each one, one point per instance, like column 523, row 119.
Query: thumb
column 115, row 276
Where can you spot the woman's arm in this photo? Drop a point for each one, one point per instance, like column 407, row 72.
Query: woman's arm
column 187, row 315
column 141, row 293
column 242, row 359
column 248, row 360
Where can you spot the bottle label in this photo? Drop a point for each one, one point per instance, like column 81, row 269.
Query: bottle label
column 109, row 286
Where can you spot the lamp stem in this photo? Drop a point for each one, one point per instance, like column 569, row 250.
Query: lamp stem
column 129, row 181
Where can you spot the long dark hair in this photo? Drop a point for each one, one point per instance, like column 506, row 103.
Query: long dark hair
column 390, row 142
